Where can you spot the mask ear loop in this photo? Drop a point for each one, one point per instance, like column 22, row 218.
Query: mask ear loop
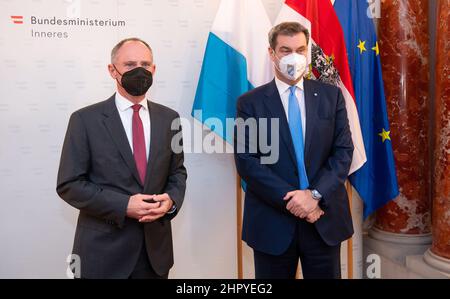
column 274, row 64
column 120, row 83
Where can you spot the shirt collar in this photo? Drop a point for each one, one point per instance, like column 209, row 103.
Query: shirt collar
column 283, row 87
column 124, row 104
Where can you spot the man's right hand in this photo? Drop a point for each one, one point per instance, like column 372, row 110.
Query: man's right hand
column 137, row 207
column 315, row 215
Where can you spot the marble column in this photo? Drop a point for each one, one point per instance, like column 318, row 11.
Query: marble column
column 439, row 255
column 404, row 49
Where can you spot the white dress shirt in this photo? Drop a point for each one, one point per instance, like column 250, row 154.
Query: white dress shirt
column 126, row 115
column 284, row 91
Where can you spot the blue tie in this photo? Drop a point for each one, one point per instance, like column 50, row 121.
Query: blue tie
column 295, row 125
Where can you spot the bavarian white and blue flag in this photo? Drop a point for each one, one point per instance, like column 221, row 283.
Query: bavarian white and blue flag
column 236, row 60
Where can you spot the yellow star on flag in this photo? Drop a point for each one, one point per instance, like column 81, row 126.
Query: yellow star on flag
column 385, row 135
column 362, row 46
column 376, row 49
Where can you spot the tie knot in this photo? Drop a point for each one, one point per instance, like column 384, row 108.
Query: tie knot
column 292, row 88
column 136, row 107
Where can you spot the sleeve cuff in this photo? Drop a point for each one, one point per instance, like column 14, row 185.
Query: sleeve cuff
column 173, row 209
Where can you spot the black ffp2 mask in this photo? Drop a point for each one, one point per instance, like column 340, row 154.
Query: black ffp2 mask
column 136, row 81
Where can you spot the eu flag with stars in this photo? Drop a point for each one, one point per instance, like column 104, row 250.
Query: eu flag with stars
column 376, row 181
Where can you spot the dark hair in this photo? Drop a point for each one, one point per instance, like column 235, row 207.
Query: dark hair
column 122, row 42
column 286, row 28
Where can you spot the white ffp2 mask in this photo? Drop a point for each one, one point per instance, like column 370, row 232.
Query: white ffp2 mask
column 292, row 66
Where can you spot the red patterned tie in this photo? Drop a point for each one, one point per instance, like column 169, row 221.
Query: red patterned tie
column 140, row 156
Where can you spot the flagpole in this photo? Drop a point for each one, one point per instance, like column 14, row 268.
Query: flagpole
column 350, row 241
column 239, row 225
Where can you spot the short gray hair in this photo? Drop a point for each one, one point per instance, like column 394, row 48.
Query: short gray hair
column 286, row 28
column 122, row 42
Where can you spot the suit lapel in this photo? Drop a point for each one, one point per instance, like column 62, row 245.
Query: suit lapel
column 115, row 128
column 155, row 131
column 311, row 106
column 276, row 109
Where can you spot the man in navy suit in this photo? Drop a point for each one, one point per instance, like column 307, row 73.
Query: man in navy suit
column 297, row 207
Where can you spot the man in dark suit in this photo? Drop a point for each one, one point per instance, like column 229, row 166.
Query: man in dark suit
column 296, row 207
column 119, row 169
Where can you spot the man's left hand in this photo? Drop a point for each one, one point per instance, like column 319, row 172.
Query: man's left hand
column 165, row 205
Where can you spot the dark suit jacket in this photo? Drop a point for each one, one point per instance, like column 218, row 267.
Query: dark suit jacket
column 97, row 175
column 267, row 225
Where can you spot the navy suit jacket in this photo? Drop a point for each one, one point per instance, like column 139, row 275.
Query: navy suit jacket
column 268, row 226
